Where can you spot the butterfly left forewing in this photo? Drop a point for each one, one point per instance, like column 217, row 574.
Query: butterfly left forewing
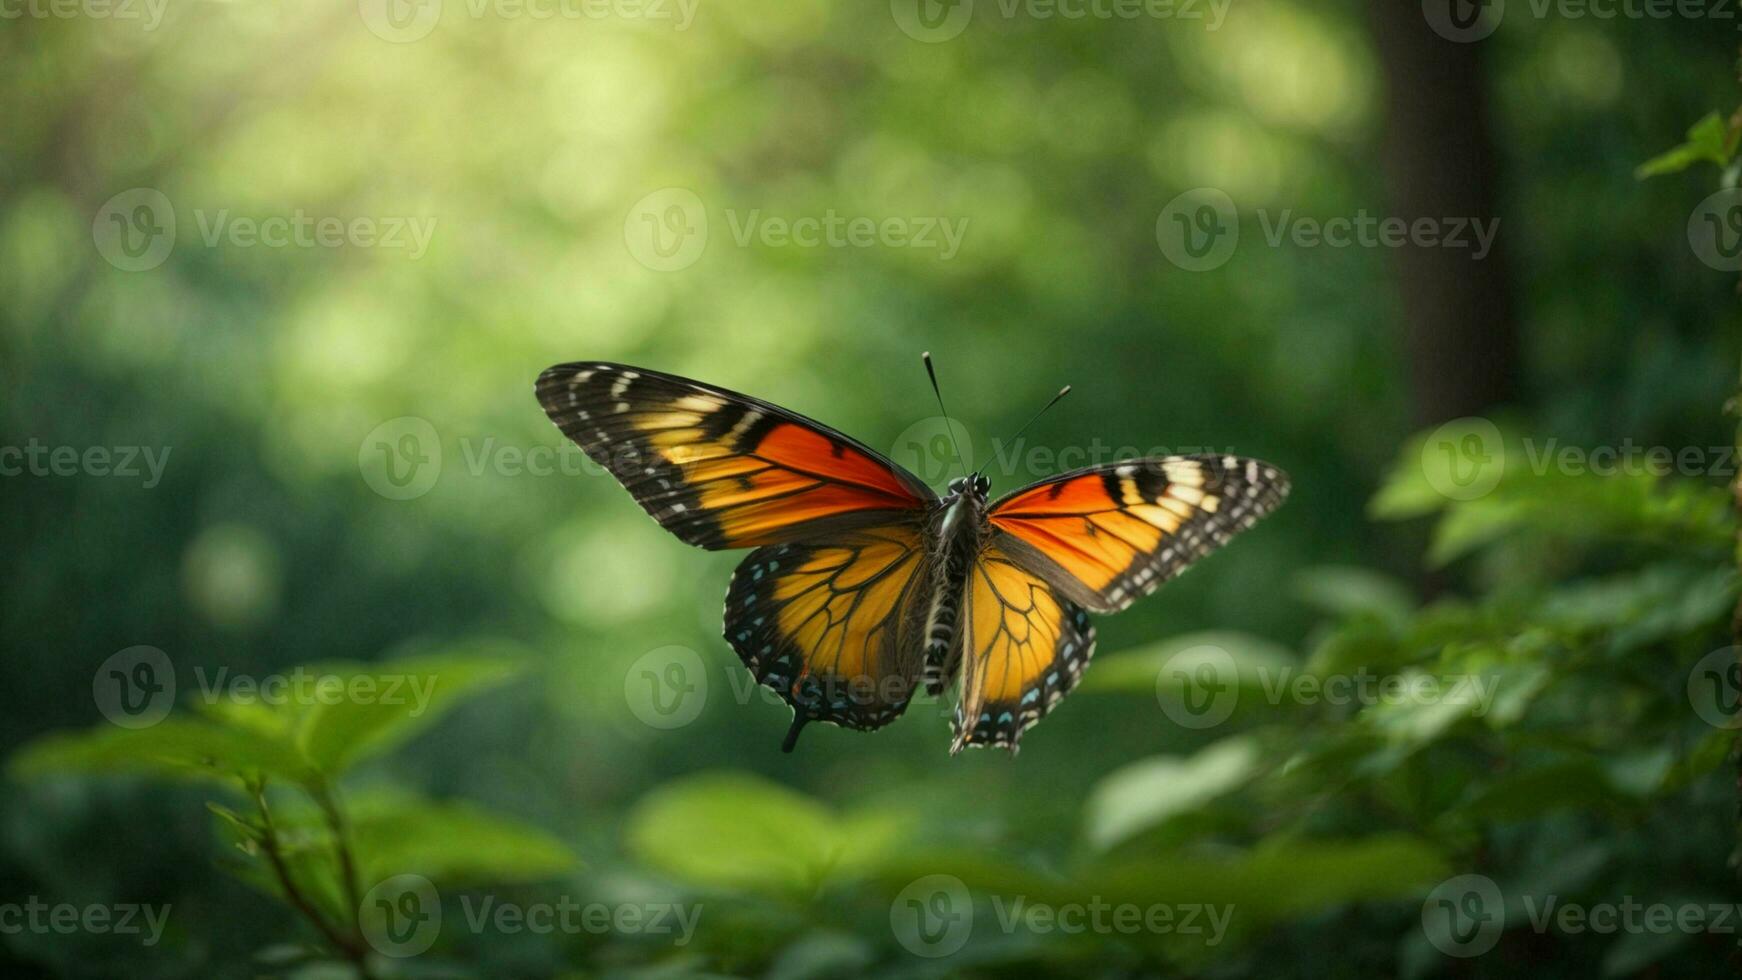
column 720, row 469
column 1109, row 534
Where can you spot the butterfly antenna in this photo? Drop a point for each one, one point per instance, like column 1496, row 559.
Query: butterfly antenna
column 932, row 373
column 1055, row 400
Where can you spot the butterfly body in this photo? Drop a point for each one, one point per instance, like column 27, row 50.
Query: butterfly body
column 957, row 533
column 864, row 584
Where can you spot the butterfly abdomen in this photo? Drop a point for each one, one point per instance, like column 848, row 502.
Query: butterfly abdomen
column 956, row 532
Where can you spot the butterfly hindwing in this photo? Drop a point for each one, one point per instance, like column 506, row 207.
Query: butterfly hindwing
column 832, row 625
column 720, row 469
column 1023, row 647
column 1109, row 534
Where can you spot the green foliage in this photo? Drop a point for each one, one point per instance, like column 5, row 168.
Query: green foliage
column 348, row 713
column 737, row 832
column 1144, row 794
column 300, row 845
column 337, row 734
column 1711, row 140
column 1580, row 604
column 1403, row 744
column 1487, row 722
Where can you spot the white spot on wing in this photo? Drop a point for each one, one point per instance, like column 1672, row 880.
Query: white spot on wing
column 750, row 418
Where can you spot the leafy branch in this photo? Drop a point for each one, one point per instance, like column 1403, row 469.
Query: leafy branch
column 309, row 850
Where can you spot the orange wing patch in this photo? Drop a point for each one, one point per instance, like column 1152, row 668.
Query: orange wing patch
column 719, row 469
column 1110, row 534
column 829, row 626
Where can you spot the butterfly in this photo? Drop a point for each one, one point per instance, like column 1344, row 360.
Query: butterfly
column 864, row 583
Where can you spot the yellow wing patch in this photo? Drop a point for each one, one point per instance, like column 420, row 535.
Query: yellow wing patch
column 831, row 626
column 1024, row 647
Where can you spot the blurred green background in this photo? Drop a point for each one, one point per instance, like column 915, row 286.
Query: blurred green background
column 541, row 153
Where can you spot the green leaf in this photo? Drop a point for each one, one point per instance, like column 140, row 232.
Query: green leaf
column 364, row 710
column 1633, row 951
column 452, row 843
column 1346, row 592
column 244, row 828
column 1282, row 877
column 1239, row 658
column 1146, row 793
column 392, row 833
column 1419, row 480
column 735, row 830
column 1710, row 139
column 191, row 748
column 1497, row 490
column 1705, row 755
column 1543, row 788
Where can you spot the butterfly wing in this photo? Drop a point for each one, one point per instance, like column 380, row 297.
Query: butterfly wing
column 719, row 469
column 1023, row 647
column 1108, row 534
column 833, row 625
column 1094, row 539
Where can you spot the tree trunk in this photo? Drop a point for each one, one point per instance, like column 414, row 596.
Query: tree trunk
column 1461, row 339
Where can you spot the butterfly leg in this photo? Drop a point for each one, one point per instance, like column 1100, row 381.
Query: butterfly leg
column 799, row 720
